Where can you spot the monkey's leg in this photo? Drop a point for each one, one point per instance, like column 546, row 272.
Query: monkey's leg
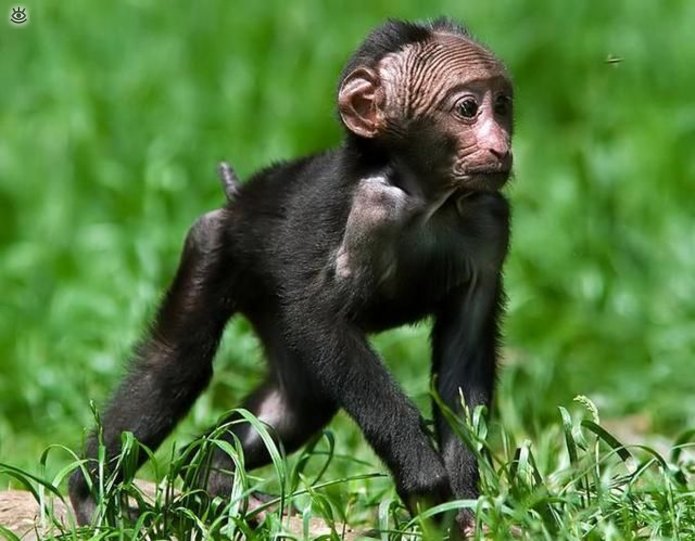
column 464, row 345
column 288, row 401
column 173, row 364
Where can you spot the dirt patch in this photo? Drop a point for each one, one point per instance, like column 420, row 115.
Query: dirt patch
column 20, row 513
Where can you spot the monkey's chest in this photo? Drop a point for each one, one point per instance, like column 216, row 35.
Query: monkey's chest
column 412, row 286
column 463, row 240
column 413, row 274
column 428, row 264
column 425, row 267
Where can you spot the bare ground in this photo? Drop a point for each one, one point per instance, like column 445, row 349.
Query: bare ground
column 20, row 514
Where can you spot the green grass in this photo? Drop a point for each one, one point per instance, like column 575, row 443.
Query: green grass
column 581, row 483
column 114, row 118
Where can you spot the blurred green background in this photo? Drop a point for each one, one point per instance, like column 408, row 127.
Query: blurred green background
column 114, row 116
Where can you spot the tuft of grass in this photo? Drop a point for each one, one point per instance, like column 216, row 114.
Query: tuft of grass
column 110, row 139
column 596, row 489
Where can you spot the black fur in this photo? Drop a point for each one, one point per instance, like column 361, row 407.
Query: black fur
column 270, row 254
column 393, row 36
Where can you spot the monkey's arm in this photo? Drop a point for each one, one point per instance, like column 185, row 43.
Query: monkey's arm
column 346, row 368
column 464, row 343
column 174, row 364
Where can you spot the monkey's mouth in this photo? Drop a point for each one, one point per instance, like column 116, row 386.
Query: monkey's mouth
column 483, row 180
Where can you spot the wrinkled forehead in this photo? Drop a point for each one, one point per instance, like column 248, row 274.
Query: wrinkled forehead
column 461, row 57
column 426, row 69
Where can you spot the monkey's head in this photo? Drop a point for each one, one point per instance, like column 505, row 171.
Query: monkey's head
column 435, row 100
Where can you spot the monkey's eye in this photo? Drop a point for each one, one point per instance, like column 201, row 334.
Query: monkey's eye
column 467, row 108
column 502, row 105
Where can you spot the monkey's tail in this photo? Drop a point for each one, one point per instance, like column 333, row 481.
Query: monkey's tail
column 229, row 179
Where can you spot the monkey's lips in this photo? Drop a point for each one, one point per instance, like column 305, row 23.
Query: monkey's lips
column 483, row 180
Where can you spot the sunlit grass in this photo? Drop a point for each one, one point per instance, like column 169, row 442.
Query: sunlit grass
column 113, row 121
column 583, row 484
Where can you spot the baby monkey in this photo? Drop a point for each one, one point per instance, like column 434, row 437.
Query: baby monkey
column 402, row 221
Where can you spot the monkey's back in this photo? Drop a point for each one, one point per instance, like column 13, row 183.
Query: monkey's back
column 284, row 222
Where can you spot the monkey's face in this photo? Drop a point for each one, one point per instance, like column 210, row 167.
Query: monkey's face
column 444, row 105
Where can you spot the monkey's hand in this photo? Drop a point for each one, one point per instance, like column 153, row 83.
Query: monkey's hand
column 432, row 490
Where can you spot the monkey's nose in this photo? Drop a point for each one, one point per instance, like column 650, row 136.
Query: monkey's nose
column 500, row 153
column 504, row 157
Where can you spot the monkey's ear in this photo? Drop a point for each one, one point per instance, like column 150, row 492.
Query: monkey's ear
column 359, row 102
